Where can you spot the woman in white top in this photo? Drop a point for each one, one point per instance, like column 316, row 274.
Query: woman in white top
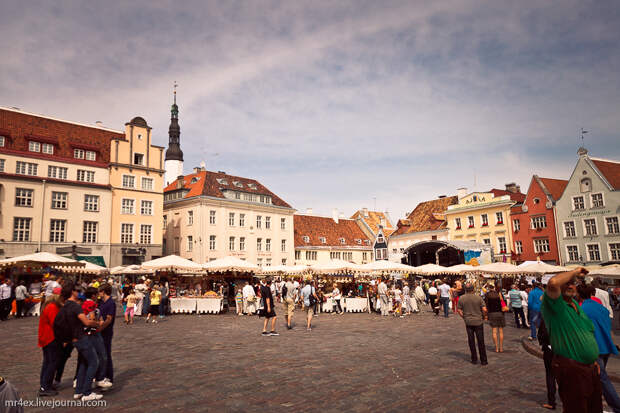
column 337, row 296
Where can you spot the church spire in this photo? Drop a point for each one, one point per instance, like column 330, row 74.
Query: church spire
column 174, row 151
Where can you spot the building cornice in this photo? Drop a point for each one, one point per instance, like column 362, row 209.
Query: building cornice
column 55, row 181
column 53, row 158
column 234, row 203
column 489, row 205
column 139, row 167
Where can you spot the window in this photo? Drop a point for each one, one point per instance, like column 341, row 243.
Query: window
column 89, row 232
column 539, row 222
column 516, row 224
column 267, row 222
column 78, row 153
column 190, row 243
column 91, row 203
column 499, row 217
column 127, row 206
column 190, row 217
column 259, row 244
column 91, row 155
column 259, row 262
column 268, row 262
column 590, row 226
column 380, row 239
column 487, row 241
column 231, row 219
column 541, row 245
column 146, row 207
column 594, row 254
column 282, row 223
column 241, row 243
column 47, row 148
column 138, row 159
column 348, row 256
column 364, row 256
column 57, row 230
column 283, row 245
column 578, row 203
column 127, row 233
column 212, row 242
column 614, row 251
column 34, row 146
column 241, row 220
column 129, row 181
column 612, row 225
column 519, row 247
column 23, row 197
column 457, row 223
column 237, row 195
column 85, row 176
column 586, row 185
column 59, row 200
column 342, row 241
column 358, row 241
column 258, row 221
column 2, row 141
column 147, row 184
column 323, row 240
column 297, row 255
column 311, row 255
column 146, row 232
column 283, row 261
column 26, row 168
column 501, row 242
column 485, row 220
column 2, row 165
column 572, row 252
column 231, row 243
column 165, row 221
column 222, row 181
column 268, row 244
column 597, row 201
column 569, row 229
column 471, row 221
column 21, row 229
column 57, row 172
column 306, row 239
column 212, row 217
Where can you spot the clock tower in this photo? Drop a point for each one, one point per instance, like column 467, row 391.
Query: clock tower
column 174, row 155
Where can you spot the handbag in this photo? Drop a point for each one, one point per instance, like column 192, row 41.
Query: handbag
column 503, row 303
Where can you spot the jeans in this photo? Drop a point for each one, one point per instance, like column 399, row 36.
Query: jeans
column 19, row 311
column 609, row 391
column 445, row 301
column 5, row 308
column 476, row 333
column 162, row 307
column 519, row 315
column 107, row 343
column 65, row 353
column 534, row 316
column 97, row 343
column 337, row 302
column 550, row 377
column 86, row 375
column 51, row 356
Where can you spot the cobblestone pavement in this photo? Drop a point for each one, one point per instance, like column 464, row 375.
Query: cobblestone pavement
column 351, row 362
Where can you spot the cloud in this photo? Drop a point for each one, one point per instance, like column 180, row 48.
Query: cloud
column 333, row 104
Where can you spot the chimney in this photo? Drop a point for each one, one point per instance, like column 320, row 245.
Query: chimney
column 335, row 215
column 512, row 187
column 365, row 212
column 99, row 123
column 441, row 196
column 309, row 211
column 461, row 192
column 203, row 166
column 221, row 172
column 197, row 169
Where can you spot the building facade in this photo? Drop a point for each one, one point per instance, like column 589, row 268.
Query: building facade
column 54, row 185
column 137, row 182
column 533, row 222
column 210, row 215
column 321, row 239
column 588, row 213
column 378, row 227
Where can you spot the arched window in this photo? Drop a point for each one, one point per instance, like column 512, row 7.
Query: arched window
column 586, row 185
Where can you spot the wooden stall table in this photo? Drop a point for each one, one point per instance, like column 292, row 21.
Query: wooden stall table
column 181, row 305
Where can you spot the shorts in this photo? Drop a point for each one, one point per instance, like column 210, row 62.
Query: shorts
column 289, row 306
column 263, row 313
column 154, row 310
column 309, row 309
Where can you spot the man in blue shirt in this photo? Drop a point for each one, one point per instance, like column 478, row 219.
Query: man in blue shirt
column 602, row 333
column 107, row 306
column 517, row 306
column 534, row 300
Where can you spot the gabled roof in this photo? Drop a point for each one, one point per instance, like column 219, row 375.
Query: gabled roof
column 315, row 227
column 426, row 216
column 212, row 183
column 373, row 221
column 610, row 170
column 518, row 197
column 554, row 187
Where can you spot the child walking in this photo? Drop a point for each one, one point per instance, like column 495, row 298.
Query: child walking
column 131, row 301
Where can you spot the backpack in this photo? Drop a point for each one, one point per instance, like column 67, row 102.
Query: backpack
column 284, row 291
column 62, row 328
column 311, row 297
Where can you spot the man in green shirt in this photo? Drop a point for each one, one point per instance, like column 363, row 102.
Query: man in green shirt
column 574, row 346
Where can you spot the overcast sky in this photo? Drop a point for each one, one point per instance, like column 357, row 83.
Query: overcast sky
column 333, row 104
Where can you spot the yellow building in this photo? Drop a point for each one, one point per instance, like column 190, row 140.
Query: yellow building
column 137, row 181
column 485, row 217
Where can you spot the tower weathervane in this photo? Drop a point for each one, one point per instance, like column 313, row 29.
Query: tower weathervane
column 175, row 91
column 583, row 132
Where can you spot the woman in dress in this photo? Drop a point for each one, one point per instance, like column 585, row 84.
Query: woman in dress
column 497, row 320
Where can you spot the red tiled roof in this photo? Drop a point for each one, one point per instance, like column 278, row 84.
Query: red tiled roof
column 518, row 197
column 316, row 227
column 425, row 216
column 374, row 220
column 554, row 186
column 610, row 170
column 207, row 184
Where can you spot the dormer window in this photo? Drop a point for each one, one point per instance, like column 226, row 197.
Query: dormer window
column 78, row 153
column 194, row 180
column 2, row 141
column 34, row 146
column 222, row 181
column 252, row 186
column 380, row 239
column 342, row 241
column 358, row 241
column 367, row 242
column 306, row 239
column 238, row 184
column 323, row 240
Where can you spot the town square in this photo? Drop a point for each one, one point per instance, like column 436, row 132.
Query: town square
column 310, row 206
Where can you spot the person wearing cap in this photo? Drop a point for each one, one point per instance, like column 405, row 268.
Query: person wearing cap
column 534, row 300
column 574, row 346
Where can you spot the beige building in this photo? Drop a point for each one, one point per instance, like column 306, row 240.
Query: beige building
column 320, row 239
column 210, row 215
column 137, row 181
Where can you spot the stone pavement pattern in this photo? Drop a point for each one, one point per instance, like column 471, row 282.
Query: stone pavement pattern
column 353, row 362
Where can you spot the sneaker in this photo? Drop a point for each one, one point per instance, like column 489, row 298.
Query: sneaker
column 484, row 363
column 74, row 383
column 104, row 384
column 92, row 396
column 47, row 393
column 264, row 333
column 289, row 327
column 530, row 338
column 273, row 333
column 309, row 329
column 77, row 396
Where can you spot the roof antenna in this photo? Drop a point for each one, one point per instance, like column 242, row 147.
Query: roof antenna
column 583, row 132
